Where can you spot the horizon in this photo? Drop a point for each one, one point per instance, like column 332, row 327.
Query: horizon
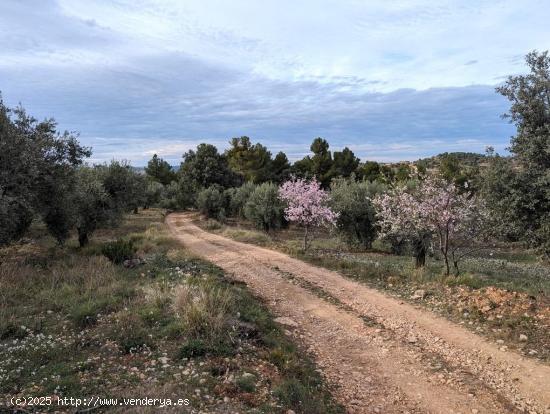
column 393, row 82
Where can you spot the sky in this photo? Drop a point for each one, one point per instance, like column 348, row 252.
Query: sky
column 391, row 79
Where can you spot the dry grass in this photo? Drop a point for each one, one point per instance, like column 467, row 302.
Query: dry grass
column 203, row 309
column 72, row 323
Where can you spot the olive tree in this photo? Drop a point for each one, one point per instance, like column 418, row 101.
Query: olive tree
column 37, row 174
column 212, row 202
column 356, row 214
column 264, row 208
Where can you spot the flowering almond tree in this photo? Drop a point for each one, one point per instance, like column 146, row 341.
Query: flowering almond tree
column 306, row 205
column 435, row 209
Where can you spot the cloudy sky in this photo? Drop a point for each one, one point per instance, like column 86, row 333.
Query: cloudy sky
column 391, row 79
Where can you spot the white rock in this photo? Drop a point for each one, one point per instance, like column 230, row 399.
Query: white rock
column 419, row 294
column 523, row 338
column 284, row 320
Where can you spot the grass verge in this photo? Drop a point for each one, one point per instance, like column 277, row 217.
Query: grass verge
column 75, row 324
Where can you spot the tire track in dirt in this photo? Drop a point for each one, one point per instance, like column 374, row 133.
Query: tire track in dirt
column 409, row 360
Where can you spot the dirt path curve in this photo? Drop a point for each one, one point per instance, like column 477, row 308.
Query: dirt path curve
column 381, row 354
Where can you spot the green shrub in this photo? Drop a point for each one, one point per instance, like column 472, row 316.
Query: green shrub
column 466, row 280
column 212, row 202
column 212, row 225
column 293, row 393
column 246, row 383
column 130, row 334
column 118, row 251
column 193, row 348
column 85, row 314
column 264, row 208
column 357, row 217
column 238, row 198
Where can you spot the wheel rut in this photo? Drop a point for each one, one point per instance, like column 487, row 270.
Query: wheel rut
column 380, row 354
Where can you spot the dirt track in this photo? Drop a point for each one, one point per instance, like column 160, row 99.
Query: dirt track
column 381, row 354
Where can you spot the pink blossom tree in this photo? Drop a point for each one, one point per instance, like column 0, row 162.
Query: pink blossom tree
column 435, row 209
column 306, row 205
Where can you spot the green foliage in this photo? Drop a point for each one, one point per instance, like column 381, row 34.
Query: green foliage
column 369, row 170
column 205, row 167
column 153, row 194
column 299, row 396
column 530, row 111
column 264, row 208
column 246, row 383
column 15, row 217
column 456, row 171
column 119, row 250
column 357, row 217
column 322, row 166
column 92, row 205
column 125, row 186
column 321, row 161
column 403, row 172
column 302, row 168
column 238, row 198
column 179, row 195
column 160, row 171
column 193, row 348
column 212, row 202
column 130, row 334
column 85, row 314
column 525, row 190
column 280, row 168
column 252, row 162
column 345, row 163
column 37, row 166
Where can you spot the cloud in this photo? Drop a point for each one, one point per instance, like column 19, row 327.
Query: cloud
column 392, row 80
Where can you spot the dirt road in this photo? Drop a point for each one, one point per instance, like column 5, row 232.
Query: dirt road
column 382, row 355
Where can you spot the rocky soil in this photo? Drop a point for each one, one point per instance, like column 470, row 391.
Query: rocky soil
column 381, row 354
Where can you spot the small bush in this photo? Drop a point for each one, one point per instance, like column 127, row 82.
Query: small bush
column 292, row 393
column 212, row 202
column 193, row 348
column 9, row 330
column 246, row 383
column 357, row 218
column 118, row 251
column 466, row 280
column 212, row 225
column 264, row 208
column 239, row 197
column 84, row 314
column 130, row 334
column 203, row 310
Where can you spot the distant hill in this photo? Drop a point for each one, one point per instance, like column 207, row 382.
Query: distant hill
column 467, row 159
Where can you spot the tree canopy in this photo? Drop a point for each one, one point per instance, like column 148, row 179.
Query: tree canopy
column 160, row 170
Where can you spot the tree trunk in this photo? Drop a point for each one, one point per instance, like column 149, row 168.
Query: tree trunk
column 135, row 210
column 82, row 238
column 305, row 238
column 444, row 248
column 455, row 265
column 420, row 253
column 420, row 258
column 447, row 269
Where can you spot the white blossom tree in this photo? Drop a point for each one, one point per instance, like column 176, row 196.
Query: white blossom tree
column 306, row 205
column 436, row 209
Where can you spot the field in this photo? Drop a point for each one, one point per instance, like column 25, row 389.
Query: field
column 74, row 324
column 502, row 292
